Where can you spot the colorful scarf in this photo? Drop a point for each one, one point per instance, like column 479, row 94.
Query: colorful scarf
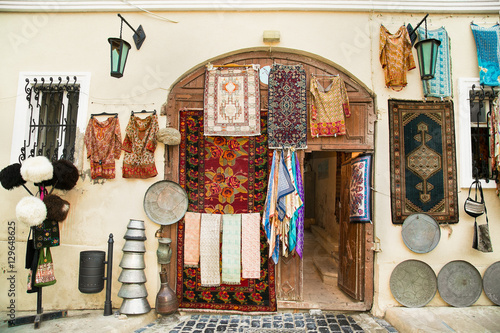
column 250, row 246
column 231, row 248
column 488, row 53
column 299, row 248
column 439, row 86
column 192, row 239
column 210, row 249
column 287, row 107
column 232, row 101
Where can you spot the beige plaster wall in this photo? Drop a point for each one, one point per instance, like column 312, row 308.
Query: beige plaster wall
column 50, row 42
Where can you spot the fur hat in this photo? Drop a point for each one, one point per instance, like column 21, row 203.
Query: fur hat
column 10, row 176
column 65, row 175
column 31, row 210
column 169, row 136
column 37, row 169
column 57, row 208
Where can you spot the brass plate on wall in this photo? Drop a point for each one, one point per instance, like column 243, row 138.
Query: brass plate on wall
column 459, row 283
column 413, row 283
column 165, row 202
column 421, row 233
column 491, row 282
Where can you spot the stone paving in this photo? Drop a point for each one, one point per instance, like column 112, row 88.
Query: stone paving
column 281, row 322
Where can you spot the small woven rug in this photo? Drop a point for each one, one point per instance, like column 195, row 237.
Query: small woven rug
column 250, row 246
column 423, row 165
column 232, row 101
column 210, row 249
column 360, row 189
column 287, row 107
column 192, row 239
column 231, row 248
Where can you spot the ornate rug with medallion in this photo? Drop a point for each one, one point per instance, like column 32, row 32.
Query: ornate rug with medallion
column 223, row 175
column 423, row 163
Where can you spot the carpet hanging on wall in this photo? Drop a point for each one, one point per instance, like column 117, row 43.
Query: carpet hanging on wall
column 423, row 164
column 223, row 175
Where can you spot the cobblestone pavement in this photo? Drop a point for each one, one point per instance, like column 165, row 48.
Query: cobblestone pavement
column 281, row 322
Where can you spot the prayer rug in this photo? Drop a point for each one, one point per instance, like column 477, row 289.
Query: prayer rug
column 423, row 164
column 250, row 245
column 360, row 189
column 209, row 249
column 223, row 175
column 287, row 107
column 488, row 53
column 440, row 85
column 192, row 239
column 232, row 101
column 231, row 248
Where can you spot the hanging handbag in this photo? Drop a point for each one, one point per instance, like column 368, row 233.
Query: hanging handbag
column 45, row 271
column 46, row 234
column 482, row 240
column 475, row 207
column 31, row 288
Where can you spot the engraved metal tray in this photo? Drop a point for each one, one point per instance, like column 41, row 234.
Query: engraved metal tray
column 491, row 282
column 421, row 233
column 413, row 283
column 165, row 202
column 459, row 283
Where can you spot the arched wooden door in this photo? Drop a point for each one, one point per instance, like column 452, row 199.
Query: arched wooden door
column 187, row 93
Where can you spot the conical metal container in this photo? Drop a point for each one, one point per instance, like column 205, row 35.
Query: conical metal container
column 133, row 260
column 135, row 306
column 133, row 290
column 135, row 234
column 132, row 276
column 134, row 246
column 136, row 224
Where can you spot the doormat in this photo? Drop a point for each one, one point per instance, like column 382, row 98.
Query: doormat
column 423, row 164
column 223, row 175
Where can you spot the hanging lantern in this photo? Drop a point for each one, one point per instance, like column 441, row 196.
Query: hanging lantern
column 119, row 53
column 427, row 50
column 120, row 48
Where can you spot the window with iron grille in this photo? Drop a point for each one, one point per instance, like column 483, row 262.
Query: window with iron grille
column 50, row 116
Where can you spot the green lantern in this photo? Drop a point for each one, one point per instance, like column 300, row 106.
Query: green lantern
column 119, row 54
column 427, row 50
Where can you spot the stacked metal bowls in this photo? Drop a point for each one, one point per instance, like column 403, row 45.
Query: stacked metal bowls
column 132, row 277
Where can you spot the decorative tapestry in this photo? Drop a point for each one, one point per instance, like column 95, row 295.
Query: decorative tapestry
column 223, row 175
column 423, row 164
column 232, row 101
column 360, row 189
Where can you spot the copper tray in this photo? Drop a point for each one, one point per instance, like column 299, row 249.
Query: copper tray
column 459, row 283
column 165, row 202
column 491, row 282
column 421, row 233
column 413, row 283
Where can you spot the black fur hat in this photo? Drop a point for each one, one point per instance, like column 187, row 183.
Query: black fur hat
column 10, row 176
column 65, row 175
column 57, row 208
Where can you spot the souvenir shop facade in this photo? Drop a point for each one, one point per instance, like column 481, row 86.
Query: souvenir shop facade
column 292, row 59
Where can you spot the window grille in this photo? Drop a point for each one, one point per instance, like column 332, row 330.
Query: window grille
column 481, row 106
column 53, row 110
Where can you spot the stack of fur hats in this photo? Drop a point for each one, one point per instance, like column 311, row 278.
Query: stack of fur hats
column 61, row 174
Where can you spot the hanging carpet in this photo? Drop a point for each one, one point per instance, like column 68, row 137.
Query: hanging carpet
column 223, row 175
column 423, row 164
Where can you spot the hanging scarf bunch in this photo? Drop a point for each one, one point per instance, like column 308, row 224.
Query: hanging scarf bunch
column 283, row 218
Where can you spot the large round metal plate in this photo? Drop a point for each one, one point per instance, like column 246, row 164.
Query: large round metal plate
column 459, row 283
column 165, row 202
column 491, row 282
column 421, row 233
column 413, row 283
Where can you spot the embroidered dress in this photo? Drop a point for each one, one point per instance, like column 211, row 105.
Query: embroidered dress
column 395, row 56
column 140, row 145
column 104, row 144
column 329, row 109
column 439, row 86
column 488, row 53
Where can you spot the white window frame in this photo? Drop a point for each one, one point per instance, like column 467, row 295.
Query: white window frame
column 22, row 115
column 465, row 160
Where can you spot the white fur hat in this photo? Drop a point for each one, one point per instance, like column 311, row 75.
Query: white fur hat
column 169, row 136
column 37, row 169
column 31, row 210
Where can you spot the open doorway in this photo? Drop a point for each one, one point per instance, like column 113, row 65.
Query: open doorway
column 322, row 230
